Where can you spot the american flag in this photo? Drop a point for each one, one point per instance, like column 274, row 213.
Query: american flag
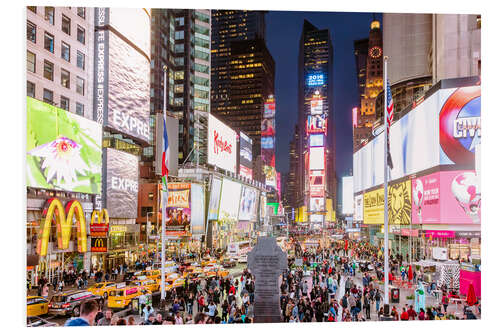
column 390, row 118
column 164, row 169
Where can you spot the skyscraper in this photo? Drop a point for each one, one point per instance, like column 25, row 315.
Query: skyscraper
column 316, row 142
column 361, row 55
column 242, row 71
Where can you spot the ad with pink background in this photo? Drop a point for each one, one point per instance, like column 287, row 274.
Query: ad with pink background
column 439, row 204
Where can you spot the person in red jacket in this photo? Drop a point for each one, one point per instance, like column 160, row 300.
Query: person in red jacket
column 411, row 313
column 404, row 315
column 232, row 290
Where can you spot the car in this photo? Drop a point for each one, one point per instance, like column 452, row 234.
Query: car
column 150, row 284
column 36, row 305
column 34, row 321
column 121, row 297
column 102, row 288
column 228, row 263
column 69, row 302
column 242, row 259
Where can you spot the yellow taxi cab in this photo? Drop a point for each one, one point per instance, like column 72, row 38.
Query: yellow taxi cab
column 149, row 284
column 178, row 283
column 152, row 274
column 207, row 262
column 102, row 288
column 215, row 271
column 121, row 298
column 36, row 306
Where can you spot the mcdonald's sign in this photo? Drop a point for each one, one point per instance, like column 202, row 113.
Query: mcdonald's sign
column 99, row 244
column 101, row 227
column 63, row 218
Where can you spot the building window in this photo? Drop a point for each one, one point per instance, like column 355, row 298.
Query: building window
column 179, row 75
column 49, row 42
column 179, row 101
column 80, row 85
column 49, row 14
column 65, row 78
column 179, row 88
column 80, row 34
column 201, row 68
column 179, row 34
column 48, row 96
column 79, row 109
column 32, row 8
column 66, row 25
column 31, row 32
column 31, row 62
column 80, row 60
column 48, row 70
column 65, row 51
column 80, row 11
column 30, row 89
column 65, row 103
column 179, row 21
column 179, row 61
column 179, row 48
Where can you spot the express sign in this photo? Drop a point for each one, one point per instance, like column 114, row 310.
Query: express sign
column 460, row 124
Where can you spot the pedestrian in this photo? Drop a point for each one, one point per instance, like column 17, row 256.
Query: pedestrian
column 445, row 301
column 158, row 319
column 178, row 319
column 404, row 315
column 421, row 314
column 367, row 306
column 121, row 322
column 411, row 313
column 106, row 320
column 131, row 321
column 45, row 290
column 88, row 311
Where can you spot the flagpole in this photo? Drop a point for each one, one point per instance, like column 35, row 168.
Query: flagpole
column 163, row 195
column 386, row 222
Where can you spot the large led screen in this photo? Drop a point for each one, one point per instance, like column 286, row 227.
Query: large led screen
column 178, row 210
column 263, row 205
column 316, row 79
column 248, row 204
column 317, row 204
column 447, row 197
column 139, row 32
column 270, row 174
column 373, row 207
column 317, row 183
column 316, row 124
column 316, row 140
column 358, row 208
column 269, row 110
column 221, row 145
column 121, row 183
column 213, row 206
column 64, row 150
column 444, row 129
column 229, row 201
column 317, row 158
column 399, row 203
column 267, row 142
column 198, row 209
column 268, row 127
column 245, row 155
column 316, row 106
column 316, row 218
column 347, row 196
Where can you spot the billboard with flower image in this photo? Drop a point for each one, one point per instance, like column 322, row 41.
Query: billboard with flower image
column 63, row 150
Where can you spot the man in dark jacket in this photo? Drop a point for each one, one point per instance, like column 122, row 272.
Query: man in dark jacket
column 88, row 311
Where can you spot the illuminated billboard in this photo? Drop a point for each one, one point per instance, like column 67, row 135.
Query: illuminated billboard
column 447, row 197
column 221, row 145
column 316, row 140
column 267, row 142
column 268, row 127
column 316, row 106
column 213, row 205
column 248, row 204
column 229, row 201
column 373, row 207
column 399, row 203
column 269, row 110
column 263, row 205
column 316, row 124
column 444, row 129
column 347, row 196
column 178, row 211
column 317, row 183
column 316, row 218
column 121, row 181
column 64, row 150
column 317, row 79
column 317, row 158
column 270, row 174
column 317, row 204
column 245, row 156
column 358, row 208
column 198, row 209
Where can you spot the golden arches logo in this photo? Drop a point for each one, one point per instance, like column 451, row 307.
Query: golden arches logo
column 63, row 220
column 100, row 215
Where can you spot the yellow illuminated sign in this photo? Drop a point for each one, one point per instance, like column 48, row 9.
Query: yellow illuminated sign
column 373, row 207
column 63, row 219
column 398, row 205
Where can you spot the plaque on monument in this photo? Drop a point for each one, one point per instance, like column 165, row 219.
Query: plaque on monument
column 267, row 262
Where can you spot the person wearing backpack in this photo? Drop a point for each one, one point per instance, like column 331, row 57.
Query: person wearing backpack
column 378, row 298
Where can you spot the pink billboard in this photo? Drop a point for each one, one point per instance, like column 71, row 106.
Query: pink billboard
column 447, row 197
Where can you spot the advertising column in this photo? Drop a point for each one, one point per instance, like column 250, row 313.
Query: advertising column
column 268, row 141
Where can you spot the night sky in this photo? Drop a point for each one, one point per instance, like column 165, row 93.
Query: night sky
column 283, row 29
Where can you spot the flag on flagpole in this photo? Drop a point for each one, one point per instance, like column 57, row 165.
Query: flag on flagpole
column 164, row 169
column 390, row 118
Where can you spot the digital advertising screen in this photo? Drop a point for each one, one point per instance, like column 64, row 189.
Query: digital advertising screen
column 268, row 127
column 245, row 150
column 221, row 145
column 139, row 32
column 63, row 150
column 316, row 106
column 198, row 209
column 128, row 90
column 399, row 203
column 316, row 123
column 178, row 211
column 316, row 140
column 317, row 204
column 317, row 183
column 263, row 205
column 267, row 142
column 121, row 183
column 373, row 207
column 358, row 208
column 317, row 158
column 246, row 172
column 316, row 218
column 248, row 204
column 213, row 206
column 447, row 197
column 269, row 110
column 347, row 196
column 330, row 212
column 270, row 174
column 316, row 79
column 229, row 201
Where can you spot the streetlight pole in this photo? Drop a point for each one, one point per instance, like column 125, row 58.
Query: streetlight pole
column 386, row 218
